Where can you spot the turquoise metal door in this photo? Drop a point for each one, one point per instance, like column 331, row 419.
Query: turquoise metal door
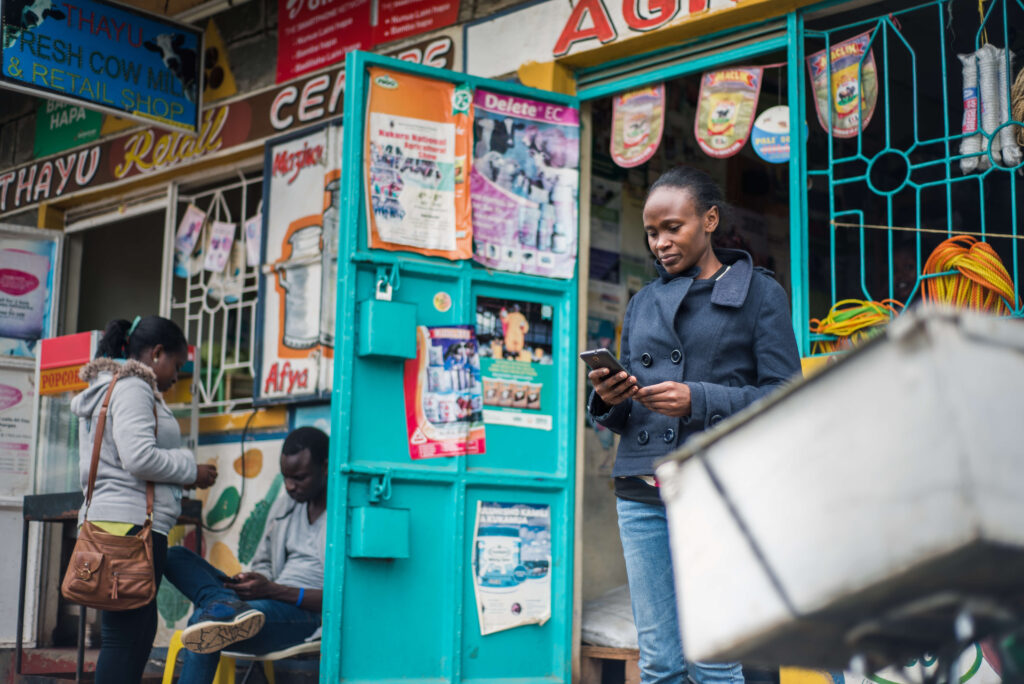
column 399, row 588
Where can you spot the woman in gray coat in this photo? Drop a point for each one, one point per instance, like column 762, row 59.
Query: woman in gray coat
column 141, row 443
column 708, row 337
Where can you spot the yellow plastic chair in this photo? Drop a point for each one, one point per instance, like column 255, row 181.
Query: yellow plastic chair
column 226, row 666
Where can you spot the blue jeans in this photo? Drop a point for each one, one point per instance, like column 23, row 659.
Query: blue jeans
column 643, row 529
column 286, row 624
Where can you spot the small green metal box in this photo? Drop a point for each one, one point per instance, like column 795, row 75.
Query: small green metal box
column 379, row 532
column 387, row 329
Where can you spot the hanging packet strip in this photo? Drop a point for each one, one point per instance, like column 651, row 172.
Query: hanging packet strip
column 222, row 238
column 417, row 165
column 854, row 87
column 444, row 394
column 725, row 110
column 525, row 185
column 638, row 120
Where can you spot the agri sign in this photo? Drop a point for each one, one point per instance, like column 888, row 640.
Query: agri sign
column 605, row 20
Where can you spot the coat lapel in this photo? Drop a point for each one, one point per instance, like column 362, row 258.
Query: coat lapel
column 669, row 297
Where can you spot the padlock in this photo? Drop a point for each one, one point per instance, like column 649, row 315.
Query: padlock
column 386, row 328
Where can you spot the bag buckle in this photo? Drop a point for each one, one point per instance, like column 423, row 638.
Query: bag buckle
column 84, row 572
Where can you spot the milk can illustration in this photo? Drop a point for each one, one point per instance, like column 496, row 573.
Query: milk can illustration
column 329, row 264
column 300, row 277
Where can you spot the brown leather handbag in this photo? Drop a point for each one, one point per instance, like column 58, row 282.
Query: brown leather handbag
column 109, row 571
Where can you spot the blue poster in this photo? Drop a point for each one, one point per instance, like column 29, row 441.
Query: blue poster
column 104, row 56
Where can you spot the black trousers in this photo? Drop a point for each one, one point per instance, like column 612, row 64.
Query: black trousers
column 128, row 634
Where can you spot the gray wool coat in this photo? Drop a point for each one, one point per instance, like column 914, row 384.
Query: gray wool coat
column 745, row 349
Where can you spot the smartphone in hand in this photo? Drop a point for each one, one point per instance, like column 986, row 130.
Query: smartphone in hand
column 602, row 358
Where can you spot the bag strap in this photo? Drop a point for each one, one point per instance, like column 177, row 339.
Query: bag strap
column 97, row 445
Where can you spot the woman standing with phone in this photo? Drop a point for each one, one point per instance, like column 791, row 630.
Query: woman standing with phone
column 141, row 443
column 708, row 337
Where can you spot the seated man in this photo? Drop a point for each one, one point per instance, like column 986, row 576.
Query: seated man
column 277, row 604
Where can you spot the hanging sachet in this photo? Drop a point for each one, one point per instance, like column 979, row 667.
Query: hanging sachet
column 854, row 86
column 725, row 109
column 638, row 120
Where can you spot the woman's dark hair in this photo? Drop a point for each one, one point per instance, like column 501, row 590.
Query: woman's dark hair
column 307, row 438
column 117, row 343
column 702, row 187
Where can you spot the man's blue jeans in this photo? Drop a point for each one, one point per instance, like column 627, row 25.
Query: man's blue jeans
column 643, row 529
column 286, row 624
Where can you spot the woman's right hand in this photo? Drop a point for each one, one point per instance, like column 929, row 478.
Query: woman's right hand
column 206, row 475
column 613, row 388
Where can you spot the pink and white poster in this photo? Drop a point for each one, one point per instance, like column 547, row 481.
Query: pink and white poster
column 444, row 394
column 524, row 186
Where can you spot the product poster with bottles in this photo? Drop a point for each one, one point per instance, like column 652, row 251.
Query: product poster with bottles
column 516, row 362
column 299, row 269
column 512, row 565
column 525, row 184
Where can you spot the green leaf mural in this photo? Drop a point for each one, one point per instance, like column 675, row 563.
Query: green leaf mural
column 171, row 604
column 225, row 507
column 252, row 531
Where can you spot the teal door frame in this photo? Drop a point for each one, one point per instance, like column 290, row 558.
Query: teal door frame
column 461, row 480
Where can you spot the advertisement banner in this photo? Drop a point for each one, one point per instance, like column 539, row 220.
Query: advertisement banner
column 638, row 119
column 312, row 35
column 525, row 185
column 61, row 126
column 26, row 284
column 444, row 394
column 511, row 565
column 106, row 56
column 770, row 138
column 17, row 393
column 516, row 362
column 297, row 224
column 417, row 165
column 854, row 92
column 397, row 19
column 725, row 110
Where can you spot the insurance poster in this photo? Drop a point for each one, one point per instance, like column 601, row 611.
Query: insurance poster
column 725, row 110
column 417, row 165
column 525, row 185
column 26, row 286
column 444, row 394
column 512, row 565
column 105, row 56
column 17, row 393
column 853, row 88
column 516, row 362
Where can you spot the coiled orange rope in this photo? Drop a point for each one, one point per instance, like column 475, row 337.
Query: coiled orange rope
column 982, row 282
column 852, row 320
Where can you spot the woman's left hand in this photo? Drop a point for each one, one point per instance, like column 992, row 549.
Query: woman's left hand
column 670, row 398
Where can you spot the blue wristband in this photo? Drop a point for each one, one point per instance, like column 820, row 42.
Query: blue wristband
column 298, row 601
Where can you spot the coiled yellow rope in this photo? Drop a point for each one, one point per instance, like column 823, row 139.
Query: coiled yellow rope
column 852, row 320
column 982, row 282
column 1017, row 104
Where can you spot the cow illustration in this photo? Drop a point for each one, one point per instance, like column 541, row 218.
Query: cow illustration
column 26, row 15
column 180, row 60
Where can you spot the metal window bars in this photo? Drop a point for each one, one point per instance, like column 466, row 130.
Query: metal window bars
column 882, row 199
column 217, row 310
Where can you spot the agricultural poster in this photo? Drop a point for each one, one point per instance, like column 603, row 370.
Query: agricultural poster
column 516, row 362
column 417, row 160
column 725, row 110
column 444, row 394
column 525, row 185
column 512, row 565
column 638, row 119
column 854, row 86
column 299, row 265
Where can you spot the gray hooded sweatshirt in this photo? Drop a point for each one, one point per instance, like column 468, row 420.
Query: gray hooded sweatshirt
column 132, row 452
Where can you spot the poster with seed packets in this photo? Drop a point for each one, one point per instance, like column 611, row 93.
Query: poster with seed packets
column 854, row 86
column 444, row 394
column 516, row 362
column 725, row 109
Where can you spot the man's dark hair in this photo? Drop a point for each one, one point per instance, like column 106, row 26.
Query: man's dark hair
column 307, row 438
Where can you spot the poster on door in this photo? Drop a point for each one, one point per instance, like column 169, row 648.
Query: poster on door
column 417, row 165
column 444, row 394
column 26, row 284
column 298, row 266
column 17, row 393
column 516, row 362
column 511, row 565
column 853, row 88
column 525, row 185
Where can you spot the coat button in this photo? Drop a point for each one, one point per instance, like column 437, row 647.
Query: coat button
column 646, row 359
column 669, row 436
column 676, row 356
column 642, row 437
column 716, row 419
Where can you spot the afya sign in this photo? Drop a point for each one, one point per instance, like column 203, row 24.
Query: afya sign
column 104, row 56
column 224, row 127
